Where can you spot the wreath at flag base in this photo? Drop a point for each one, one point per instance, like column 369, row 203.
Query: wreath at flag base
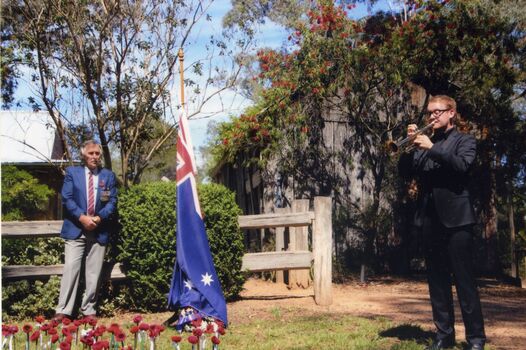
column 199, row 326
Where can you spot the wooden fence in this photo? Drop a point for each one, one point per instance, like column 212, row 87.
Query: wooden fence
column 298, row 259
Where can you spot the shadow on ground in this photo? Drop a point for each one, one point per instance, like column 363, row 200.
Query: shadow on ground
column 408, row 332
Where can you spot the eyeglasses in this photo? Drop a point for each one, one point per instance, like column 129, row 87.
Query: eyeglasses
column 436, row 112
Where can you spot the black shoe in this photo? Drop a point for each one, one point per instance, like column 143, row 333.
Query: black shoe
column 475, row 347
column 172, row 320
column 441, row 344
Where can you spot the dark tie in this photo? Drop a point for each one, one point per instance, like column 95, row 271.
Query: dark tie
column 91, row 195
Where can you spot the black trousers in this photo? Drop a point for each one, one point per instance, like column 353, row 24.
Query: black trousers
column 448, row 254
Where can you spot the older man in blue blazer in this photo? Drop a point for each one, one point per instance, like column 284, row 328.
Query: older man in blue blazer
column 89, row 198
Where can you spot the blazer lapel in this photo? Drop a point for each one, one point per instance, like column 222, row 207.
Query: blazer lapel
column 100, row 187
column 81, row 178
column 450, row 141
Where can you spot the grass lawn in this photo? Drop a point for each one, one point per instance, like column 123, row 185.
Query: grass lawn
column 289, row 329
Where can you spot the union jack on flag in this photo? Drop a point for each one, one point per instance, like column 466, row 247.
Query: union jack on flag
column 194, row 281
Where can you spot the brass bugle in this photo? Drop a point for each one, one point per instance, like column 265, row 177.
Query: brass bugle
column 406, row 145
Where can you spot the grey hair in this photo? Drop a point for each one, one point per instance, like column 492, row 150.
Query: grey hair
column 88, row 143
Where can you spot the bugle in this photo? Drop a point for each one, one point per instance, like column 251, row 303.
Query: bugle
column 406, row 145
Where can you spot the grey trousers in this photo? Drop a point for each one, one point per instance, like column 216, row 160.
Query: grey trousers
column 85, row 248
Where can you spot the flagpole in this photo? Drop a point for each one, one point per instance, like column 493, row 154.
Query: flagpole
column 181, row 72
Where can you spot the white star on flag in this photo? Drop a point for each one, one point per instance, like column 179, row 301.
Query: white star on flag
column 188, row 284
column 207, row 279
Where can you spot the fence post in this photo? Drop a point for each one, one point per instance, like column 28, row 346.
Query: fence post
column 299, row 240
column 280, row 243
column 322, row 250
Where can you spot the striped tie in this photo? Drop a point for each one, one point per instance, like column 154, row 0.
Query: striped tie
column 91, row 195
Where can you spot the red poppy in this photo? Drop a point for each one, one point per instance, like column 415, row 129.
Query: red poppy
column 134, row 329
column 52, row 331
column 72, row 328
column 92, row 321
column 64, row 346
column 66, row 321
column 54, row 338
column 87, row 340
column 120, row 336
column 209, row 328
column 5, row 330
column 114, row 328
column 35, row 336
column 137, row 319
column 153, row 332
column 13, row 329
column 198, row 332
column 144, row 326
column 221, row 331
column 65, row 331
column 176, row 338
column 45, row 327
column 215, row 340
column 77, row 322
column 193, row 339
column 27, row 328
column 40, row 319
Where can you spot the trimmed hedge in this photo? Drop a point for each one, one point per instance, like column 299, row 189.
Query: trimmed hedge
column 147, row 240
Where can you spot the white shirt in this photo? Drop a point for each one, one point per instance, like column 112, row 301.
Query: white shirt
column 95, row 184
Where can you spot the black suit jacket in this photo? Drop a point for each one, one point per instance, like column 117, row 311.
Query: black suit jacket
column 443, row 173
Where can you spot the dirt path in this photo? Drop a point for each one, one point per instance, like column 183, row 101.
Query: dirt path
column 401, row 301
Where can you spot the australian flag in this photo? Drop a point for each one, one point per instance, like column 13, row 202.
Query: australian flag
column 194, row 281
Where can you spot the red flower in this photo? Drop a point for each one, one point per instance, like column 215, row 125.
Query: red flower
column 40, row 319
column 215, row 340
column 45, row 327
column 137, row 319
column 66, row 321
column 221, row 331
column 87, row 340
column 120, row 336
column 35, row 336
column 13, row 329
column 92, row 321
column 209, row 328
column 27, row 328
column 198, row 332
column 54, row 338
column 176, row 338
column 52, row 331
column 193, row 339
column 114, row 328
column 64, row 346
column 134, row 329
column 77, row 322
column 72, row 328
column 144, row 326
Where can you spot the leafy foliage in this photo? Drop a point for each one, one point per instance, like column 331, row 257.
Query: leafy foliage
column 364, row 74
column 22, row 195
column 147, row 241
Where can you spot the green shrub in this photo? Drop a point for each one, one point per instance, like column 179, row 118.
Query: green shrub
column 22, row 195
column 147, row 240
column 22, row 198
column 220, row 213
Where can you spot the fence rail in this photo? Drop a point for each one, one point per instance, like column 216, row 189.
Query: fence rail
column 297, row 258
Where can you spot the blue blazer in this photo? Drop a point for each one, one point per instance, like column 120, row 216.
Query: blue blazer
column 74, row 202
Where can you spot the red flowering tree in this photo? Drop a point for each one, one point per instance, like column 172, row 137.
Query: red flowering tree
column 362, row 73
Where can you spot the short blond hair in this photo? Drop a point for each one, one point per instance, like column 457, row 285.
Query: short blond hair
column 449, row 101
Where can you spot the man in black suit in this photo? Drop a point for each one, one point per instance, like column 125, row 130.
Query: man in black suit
column 441, row 165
